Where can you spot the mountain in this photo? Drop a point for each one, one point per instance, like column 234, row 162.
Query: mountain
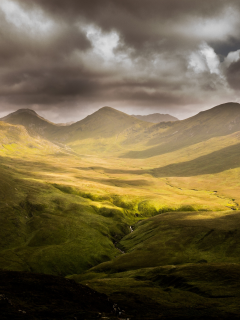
column 35, row 124
column 111, row 131
column 15, row 139
column 164, row 137
column 101, row 131
column 106, row 124
column 156, row 117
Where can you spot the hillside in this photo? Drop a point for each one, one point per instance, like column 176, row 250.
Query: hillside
column 110, row 131
column 176, row 184
column 37, row 296
column 104, row 123
column 15, row 140
column 100, row 132
column 35, row 125
column 182, row 265
column 156, row 117
column 167, row 137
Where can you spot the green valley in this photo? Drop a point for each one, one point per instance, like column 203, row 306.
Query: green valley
column 148, row 214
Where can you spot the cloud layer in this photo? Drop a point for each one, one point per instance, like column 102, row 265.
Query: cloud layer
column 68, row 58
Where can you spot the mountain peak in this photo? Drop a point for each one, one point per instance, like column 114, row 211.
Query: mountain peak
column 107, row 109
column 106, row 112
column 29, row 111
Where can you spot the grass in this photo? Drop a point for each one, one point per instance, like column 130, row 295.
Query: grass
column 175, row 264
column 183, row 291
column 68, row 211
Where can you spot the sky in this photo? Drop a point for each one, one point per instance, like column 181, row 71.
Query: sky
column 66, row 59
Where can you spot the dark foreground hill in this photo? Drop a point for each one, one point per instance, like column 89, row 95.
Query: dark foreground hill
column 156, row 117
column 37, row 296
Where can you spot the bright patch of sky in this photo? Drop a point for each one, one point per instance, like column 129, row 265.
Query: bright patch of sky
column 103, row 43
column 212, row 59
column 205, row 59
column 33, row 20
column 227, row 24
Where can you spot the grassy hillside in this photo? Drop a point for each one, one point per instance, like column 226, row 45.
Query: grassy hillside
column 35, row 125
column 171, row 136
column 67, row 203
column 101, row 133
column 109, row 131
column 15, row 140
column 188, row 291
column 179, row 238
column 176, row 265
column 44, row 229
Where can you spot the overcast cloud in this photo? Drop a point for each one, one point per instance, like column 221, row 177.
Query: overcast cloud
column 66, row 59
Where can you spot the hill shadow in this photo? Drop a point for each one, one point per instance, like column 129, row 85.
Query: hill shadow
column 112, row 171
column 118, row 182
column 164, row 147
column 159, row 149
column 215, row 162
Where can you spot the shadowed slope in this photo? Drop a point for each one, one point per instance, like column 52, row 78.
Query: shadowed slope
column 156, row 117
column 104, row 123
column 35, row 124
column 178, row 238
column 215, row 162
column 15, row 139
column 183, row 265
column 37, row 296
column 100, row 132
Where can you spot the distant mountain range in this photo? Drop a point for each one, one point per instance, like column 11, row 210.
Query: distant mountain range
column 108, row 130
column 156, row 117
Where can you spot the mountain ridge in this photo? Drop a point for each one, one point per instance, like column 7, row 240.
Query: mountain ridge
column 156, row 117
column 110, row 130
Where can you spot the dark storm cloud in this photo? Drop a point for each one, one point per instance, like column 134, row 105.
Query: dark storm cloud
column 140, row 23
column 233, row 75
column 68, row 54
column 223, row 48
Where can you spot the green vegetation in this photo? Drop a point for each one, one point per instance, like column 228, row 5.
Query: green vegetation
column 175, row 263
column 69, row 194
